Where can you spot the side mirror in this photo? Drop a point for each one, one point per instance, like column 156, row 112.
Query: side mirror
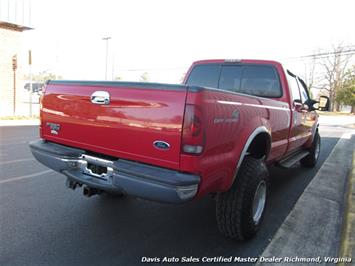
column 324, row 103
column 311, row 104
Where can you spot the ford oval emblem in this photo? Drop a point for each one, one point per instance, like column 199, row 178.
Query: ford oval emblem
column 161, row 145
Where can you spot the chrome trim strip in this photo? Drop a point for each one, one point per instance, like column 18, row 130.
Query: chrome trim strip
column 284, row 108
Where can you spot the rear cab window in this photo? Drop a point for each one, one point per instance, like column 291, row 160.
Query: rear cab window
column 253, row 79
column 204, row 76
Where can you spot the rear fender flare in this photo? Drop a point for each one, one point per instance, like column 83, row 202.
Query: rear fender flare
column 258, row 130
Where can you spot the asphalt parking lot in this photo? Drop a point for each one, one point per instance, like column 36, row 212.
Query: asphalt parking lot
column 44, row 223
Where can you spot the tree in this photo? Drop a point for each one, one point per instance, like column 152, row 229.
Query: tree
column 43, row 76
column 346, row 95
column 144, row 77
column 335, row 64
column 309, row 73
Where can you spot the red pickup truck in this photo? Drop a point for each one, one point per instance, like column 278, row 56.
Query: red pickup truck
column 214, row 134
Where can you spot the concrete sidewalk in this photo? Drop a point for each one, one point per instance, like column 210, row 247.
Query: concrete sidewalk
column 314, row 227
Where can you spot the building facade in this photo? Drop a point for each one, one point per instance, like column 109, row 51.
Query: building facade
column 13, row 20
column 11, row 40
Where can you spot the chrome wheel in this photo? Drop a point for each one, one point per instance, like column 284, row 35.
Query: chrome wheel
column 259, row 201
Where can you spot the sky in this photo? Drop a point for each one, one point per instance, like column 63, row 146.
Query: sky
column 163, row 37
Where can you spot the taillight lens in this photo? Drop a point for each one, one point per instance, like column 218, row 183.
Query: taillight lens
column 193, row 132
column 40, row 111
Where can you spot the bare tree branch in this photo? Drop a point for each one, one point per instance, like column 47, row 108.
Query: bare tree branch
column 335, row 67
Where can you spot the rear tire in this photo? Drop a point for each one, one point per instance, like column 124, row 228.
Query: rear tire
column 311, row 159
column 241, row 209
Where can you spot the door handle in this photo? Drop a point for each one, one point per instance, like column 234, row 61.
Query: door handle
column 100, row 97
column 300, row 107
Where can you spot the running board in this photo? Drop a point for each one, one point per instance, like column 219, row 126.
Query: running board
column 292, row 159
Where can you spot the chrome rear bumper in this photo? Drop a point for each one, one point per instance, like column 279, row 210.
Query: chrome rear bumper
column 132, row 178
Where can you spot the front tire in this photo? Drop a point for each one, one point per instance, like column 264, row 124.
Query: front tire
column 240, row 210
column 311, row 159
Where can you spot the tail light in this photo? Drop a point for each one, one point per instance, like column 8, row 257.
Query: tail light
column 193, row 136
column 40, row 110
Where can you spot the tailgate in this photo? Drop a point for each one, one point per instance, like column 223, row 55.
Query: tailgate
column 141, row 121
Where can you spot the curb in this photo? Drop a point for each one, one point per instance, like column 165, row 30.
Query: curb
column 313, row 227
column 32, row 122
column 348, row 240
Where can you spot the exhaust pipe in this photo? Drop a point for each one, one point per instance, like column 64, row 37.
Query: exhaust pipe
column 89, row 191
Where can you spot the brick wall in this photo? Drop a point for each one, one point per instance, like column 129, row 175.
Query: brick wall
column 10, row 44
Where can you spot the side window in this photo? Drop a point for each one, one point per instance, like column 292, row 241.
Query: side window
column 292, row 83
column 204, row 76
column 303, row 90
column 230, row 78
column 260, row 81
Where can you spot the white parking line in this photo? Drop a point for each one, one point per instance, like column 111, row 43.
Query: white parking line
column 17, row 161
column 25, row 176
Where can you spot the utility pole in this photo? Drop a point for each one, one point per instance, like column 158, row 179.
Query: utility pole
column 30, row 91
column 14, row 67
column 113, row 68
column 106, row 39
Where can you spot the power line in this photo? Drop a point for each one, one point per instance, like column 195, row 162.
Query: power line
column 316, row 56
column 327, row 54
column 351, row 51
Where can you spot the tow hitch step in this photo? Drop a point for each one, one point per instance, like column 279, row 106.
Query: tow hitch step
column 71, row 184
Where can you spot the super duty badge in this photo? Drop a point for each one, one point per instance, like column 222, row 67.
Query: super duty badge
column 54, row 128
